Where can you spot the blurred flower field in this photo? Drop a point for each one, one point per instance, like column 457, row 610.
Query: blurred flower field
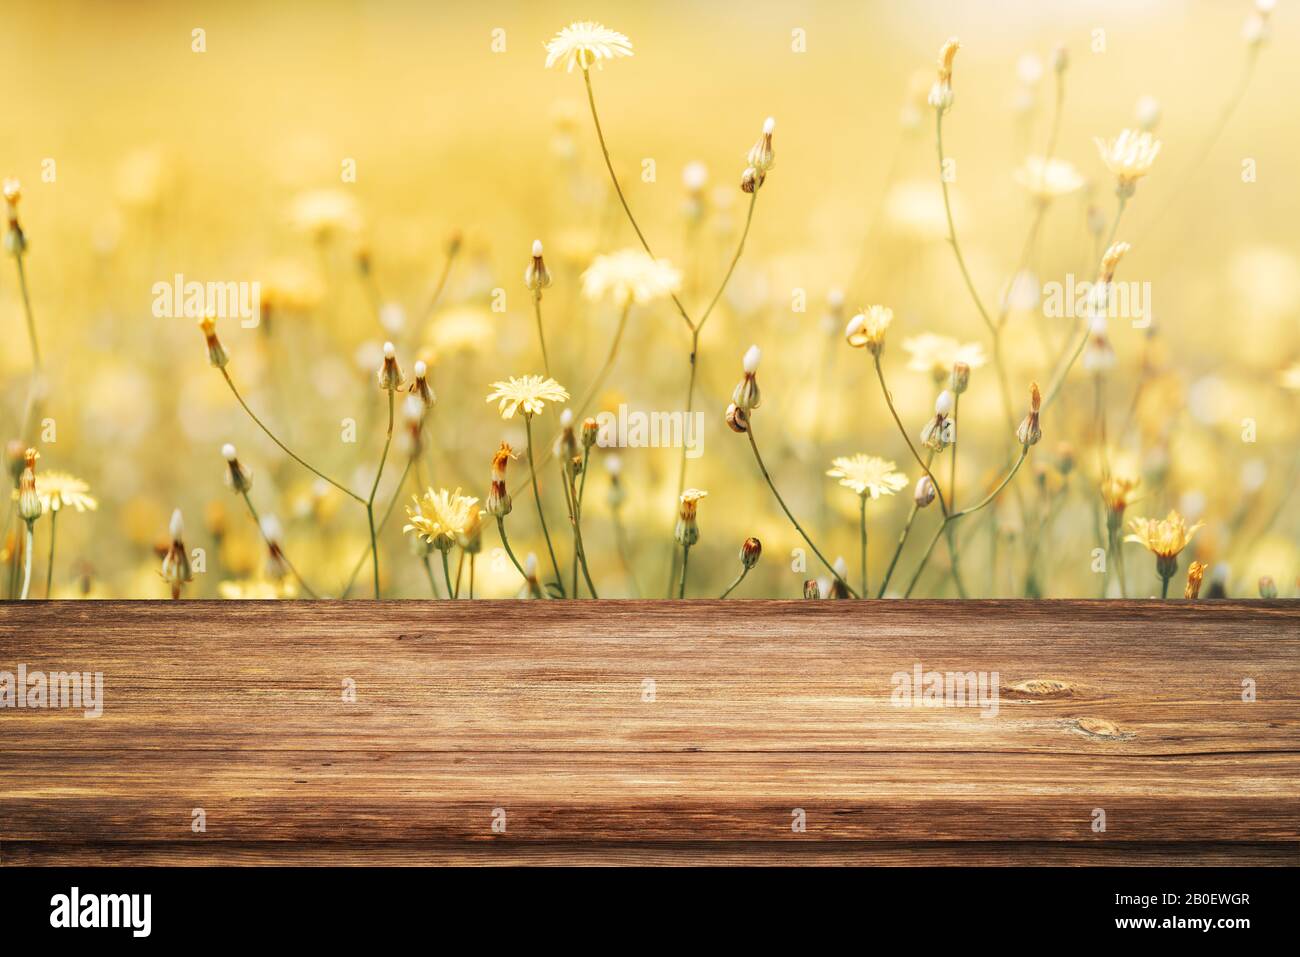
column 821, row 300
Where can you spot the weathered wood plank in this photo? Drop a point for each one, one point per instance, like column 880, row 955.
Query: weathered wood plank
column 731, row 676
column 540, row 709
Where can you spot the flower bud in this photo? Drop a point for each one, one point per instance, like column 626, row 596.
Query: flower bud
column 867, row 329
column 811, row 589
column 390, row 376
column 420, row 388
column 737, row 420
column 176, row 560
column 1029, row 432
column 925, row 491
column 238, row 478
column 761, row 156
column 15, row 458
column 1195, row 573
column 1267, row 587
column 216, row 352
column 960, row 378
column 29, row 503
column 687, row 532
column 746, row 395
column 537, row 277
column 750, row 552
column 498, row 500
column 838, row 588
column 590, row 432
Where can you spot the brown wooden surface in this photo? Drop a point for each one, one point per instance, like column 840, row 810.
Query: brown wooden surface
column 760, row 707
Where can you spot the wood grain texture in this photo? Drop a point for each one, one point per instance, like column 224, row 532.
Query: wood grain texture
column 539, row 709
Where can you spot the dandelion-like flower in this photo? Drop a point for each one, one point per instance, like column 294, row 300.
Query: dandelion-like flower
column 1129, row 156
column 1164, row 538
column 630, row 275
column 585, row 43
column 531, row 392
column 59, row 489
column 937, row 354
column 867, row 329
column 442, row 518
column 322, row 213
column 1048, row 179
column 868, row 475
column 1195, row 574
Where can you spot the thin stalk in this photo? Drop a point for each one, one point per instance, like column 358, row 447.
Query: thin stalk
column 686, row 554
column 27, row 311
column 428, row 572
column 537, row 497
column 258, row 522
column 744, row 570
column 49, row 566
column 788, row 514
column 446, row 573
column 599, row 380
column 541, row 336
column 925, row 465
column 27, row 562
column 460, row 567
column 902, row 538
column 383, row 523
column 862, row 536
column 1024, row 453
column 620, row 543
column 472, row 556
column 442, row 281
column 284, row 448
column 374, row 489
column 1164, row 586
column 505, row 543
column 609, row 165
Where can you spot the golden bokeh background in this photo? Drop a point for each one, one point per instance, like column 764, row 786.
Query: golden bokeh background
column 165, row 160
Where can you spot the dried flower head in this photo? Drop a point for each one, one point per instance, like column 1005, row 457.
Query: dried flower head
column 941, row 93
column 531, row 392
column 746, row 395
column 176, row 560
column 29, row 502
column 811, row 589
column 630, row 275
column 737, row 418
column 1129, row 156
column 1195, row 574
column 1030, row 431
column 761, row 155
column 687, row 532
column 216, row 352
column 585, row 43
column 498, row 500
column 420, row 387
column 867, row 329
column 441, row 518
column 238, row 478
column 941, row 431
column 868, row 475
column 390, row 375
column 536, row 276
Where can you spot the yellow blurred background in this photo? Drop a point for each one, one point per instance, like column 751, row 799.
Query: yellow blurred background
column 141, row 158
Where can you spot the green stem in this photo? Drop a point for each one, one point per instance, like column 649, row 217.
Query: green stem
column 27, row 311
column 537, row 497
column 374, row 489
column 686, row 554
column 925, row 465
column 446, row 573
column 541, row 336
column 383, row 523
column 442, row 281
column 428, row 572
column 862, row 536
column 49, row 567
column 284, row 448
column 1024, row 453
column 739, row 578
column 27, row 563
column 788, row 514
column 505, row 542
column 902, row 538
